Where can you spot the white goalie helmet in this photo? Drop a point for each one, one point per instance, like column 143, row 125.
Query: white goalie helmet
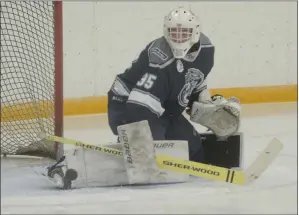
column 181, row 30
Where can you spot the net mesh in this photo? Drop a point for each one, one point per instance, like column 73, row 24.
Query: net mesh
column 27, row 77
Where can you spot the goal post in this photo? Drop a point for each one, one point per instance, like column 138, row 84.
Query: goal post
column 31, row 77
column 58, row 57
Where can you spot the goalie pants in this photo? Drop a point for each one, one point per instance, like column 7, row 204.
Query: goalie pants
column 165, row 128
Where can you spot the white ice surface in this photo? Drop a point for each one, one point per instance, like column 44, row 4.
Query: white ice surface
column 22, row 191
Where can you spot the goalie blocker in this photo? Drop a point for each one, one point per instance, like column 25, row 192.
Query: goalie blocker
column 226, row 153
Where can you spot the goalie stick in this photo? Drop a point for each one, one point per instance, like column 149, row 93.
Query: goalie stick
column 255, row 170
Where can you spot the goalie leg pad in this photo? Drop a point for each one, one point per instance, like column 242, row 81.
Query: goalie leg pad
column 97, row 169
column 139, row 153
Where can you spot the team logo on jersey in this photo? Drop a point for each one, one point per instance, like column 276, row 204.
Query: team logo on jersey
column 193, row 79
column 179, row 66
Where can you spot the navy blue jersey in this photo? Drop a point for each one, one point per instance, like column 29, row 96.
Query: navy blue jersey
column 158, row 85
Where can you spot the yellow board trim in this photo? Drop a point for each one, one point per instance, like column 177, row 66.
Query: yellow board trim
column 98, row 104
column 267, row 94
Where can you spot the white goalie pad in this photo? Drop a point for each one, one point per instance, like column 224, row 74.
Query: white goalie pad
column 95, row 168
column 99, row 169
column 139, row 152
column 223, row 118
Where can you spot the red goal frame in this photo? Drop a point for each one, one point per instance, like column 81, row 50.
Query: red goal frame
column 58, row 58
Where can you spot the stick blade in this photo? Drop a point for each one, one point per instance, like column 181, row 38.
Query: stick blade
column 263, row 161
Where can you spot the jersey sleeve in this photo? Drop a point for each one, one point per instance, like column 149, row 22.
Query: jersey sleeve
column 125, row 81
column 149, row 94
column 151, row 56
column 207, row 67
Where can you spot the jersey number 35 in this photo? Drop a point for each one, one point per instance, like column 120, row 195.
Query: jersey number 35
column 147, row 81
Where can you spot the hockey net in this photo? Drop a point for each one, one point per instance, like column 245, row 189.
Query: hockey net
column 31, row 77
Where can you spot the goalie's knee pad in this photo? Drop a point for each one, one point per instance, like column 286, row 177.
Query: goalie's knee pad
column 225, row 153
